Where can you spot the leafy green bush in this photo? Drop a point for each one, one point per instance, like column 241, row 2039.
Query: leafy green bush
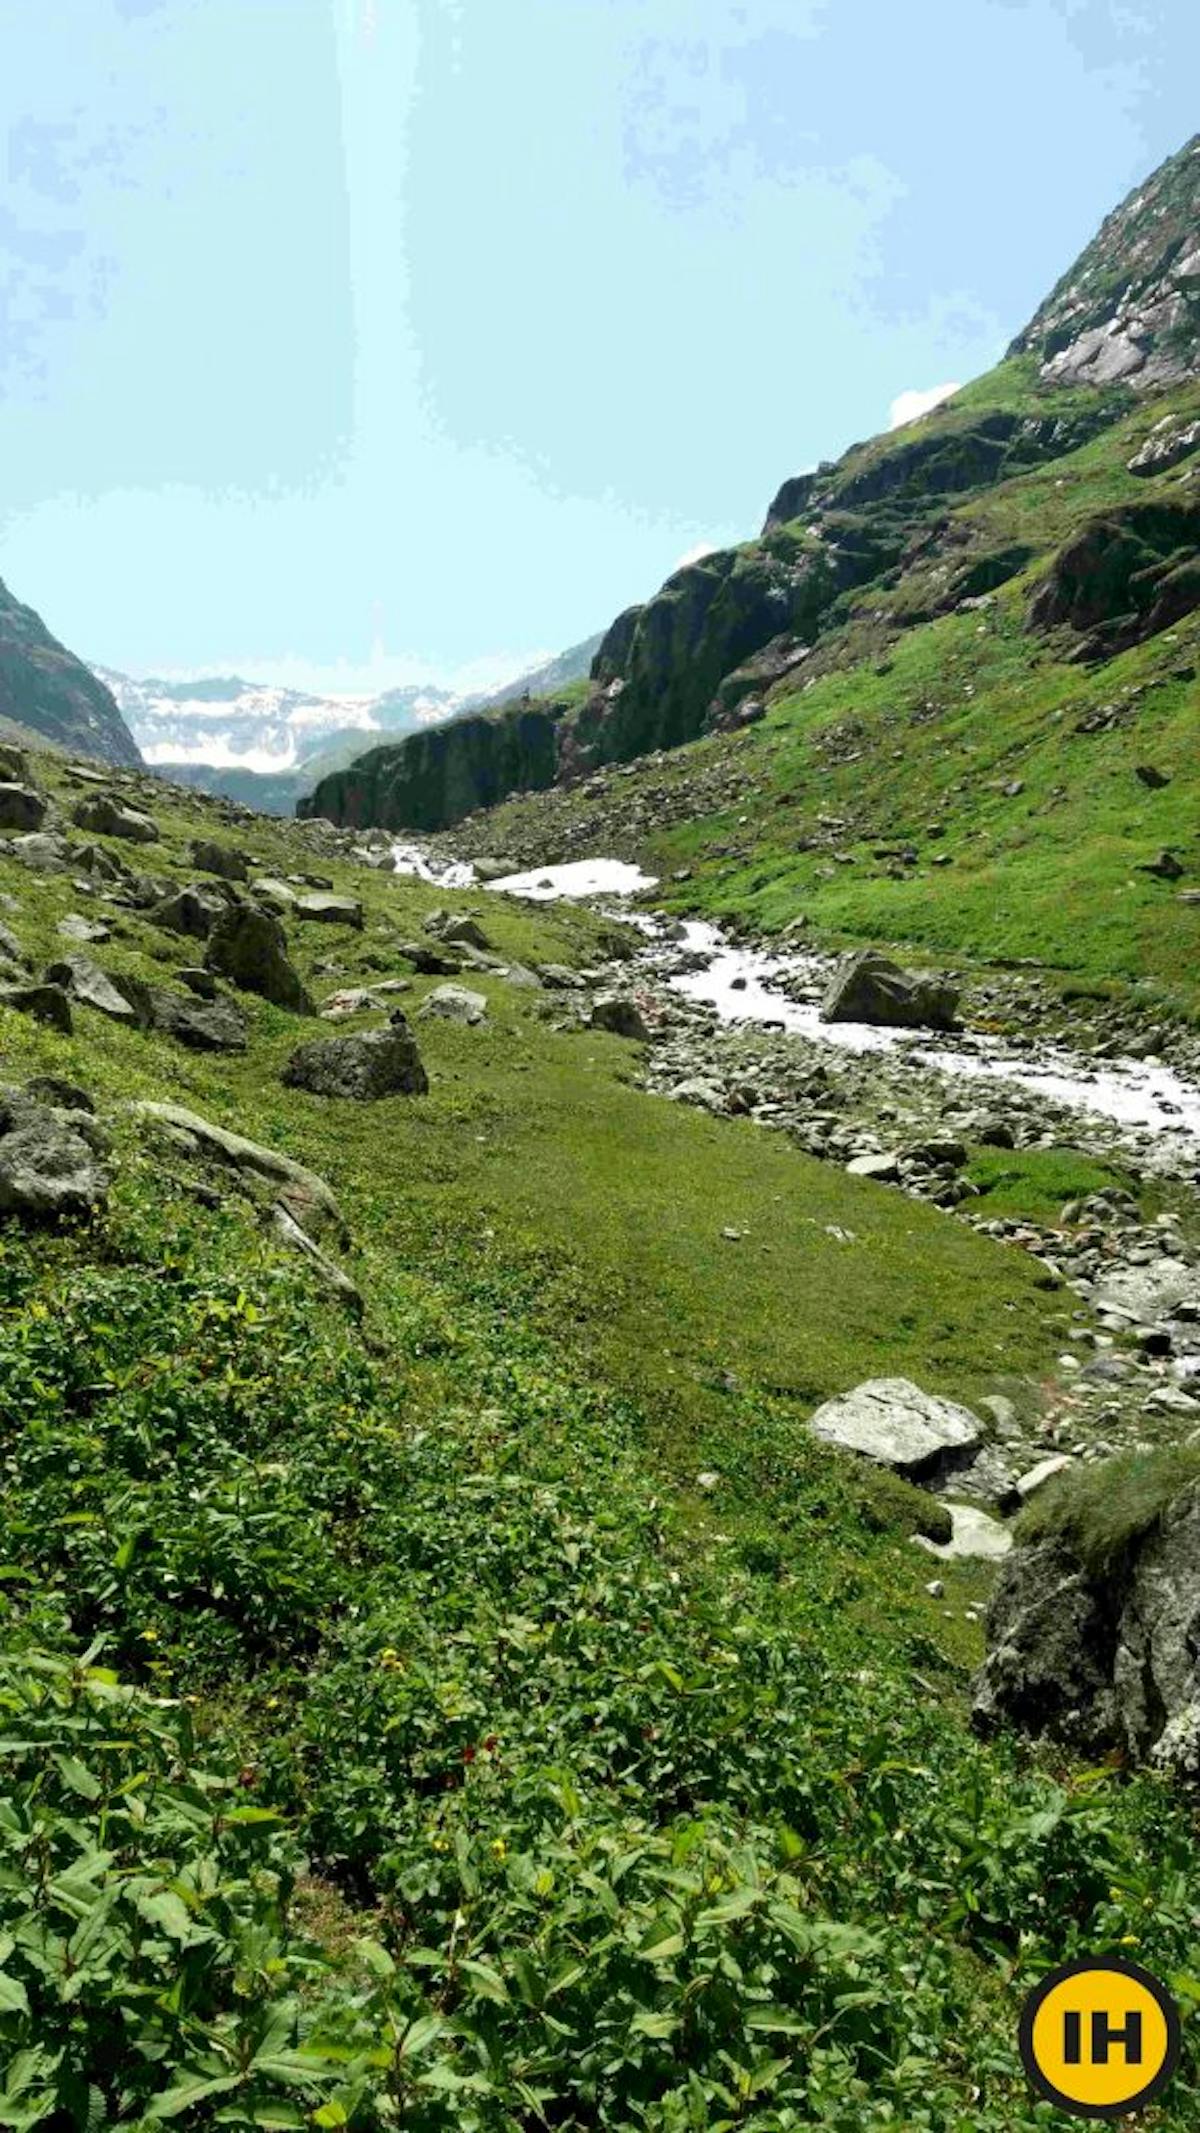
column 143, row 1969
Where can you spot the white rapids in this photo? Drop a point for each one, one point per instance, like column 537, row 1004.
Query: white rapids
column 743, row 985
column 739, row 984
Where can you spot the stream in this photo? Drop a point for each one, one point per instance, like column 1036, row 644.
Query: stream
column 1150, row 1102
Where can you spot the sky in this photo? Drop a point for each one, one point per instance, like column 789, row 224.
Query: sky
column 348, row 343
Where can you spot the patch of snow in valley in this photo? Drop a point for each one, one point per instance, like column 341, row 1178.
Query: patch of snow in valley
column 576, row 878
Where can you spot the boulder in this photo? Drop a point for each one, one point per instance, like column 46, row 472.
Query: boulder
column 870, row 988
column 92, row 987
column 11, row 950
column 459, row 929
column 431, row 962
column 106, row 817
column 192, row 911
column 14, row 763
column 47, row 1169
column 894, row 1423
column 249, row 946
column 883, row 1169
column 46, row 1003
column 275, row 894
column 44, row 852
column 306, row 1196
column 1107, row 1657
column 74, row 927
column 367, row 1066
column 198, row 980
column 559, row 977
column 202, row 1025
column 454, row 1003
column 331, row 910
column 222, row 859
column 619, row 1013
column 21, row 808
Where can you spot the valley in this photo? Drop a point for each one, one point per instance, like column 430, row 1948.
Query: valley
column 600, row 1329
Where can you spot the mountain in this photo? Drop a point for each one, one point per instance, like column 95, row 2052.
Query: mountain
column 556, row 674
column 49, row 693
column 223, row 722
column 1025, row 474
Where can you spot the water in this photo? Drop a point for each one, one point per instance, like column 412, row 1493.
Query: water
column 1130, row 1092
column 742, row 985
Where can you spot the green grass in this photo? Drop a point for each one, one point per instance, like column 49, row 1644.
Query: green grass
column 1035, row 1184
column 733, row 1854
column 1103, row 1510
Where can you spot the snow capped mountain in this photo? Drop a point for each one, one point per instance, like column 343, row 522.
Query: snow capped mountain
column 228, row 723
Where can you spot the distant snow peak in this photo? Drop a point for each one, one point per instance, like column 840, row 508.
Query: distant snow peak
column 227, row 723
column 909, row 406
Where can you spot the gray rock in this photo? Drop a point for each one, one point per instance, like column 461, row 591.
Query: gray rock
column 884, row 1169
column 329, row 1273
column 894, row 1423
column 74, row 927
column 249, row 946
column 48, row 1171
column 460, row 930
column 202, row 1025
column 191, row 911
column 21, row 808
column 1037, row 1476
column 92, row 987
column 198, row 981
column 619, row 1013
column 46, row 1003
column 14, row 764
column 221, row 859
column 871, row 989
column 106, row 817
column 454, row 1003
column 275, row 893
column 1149, row 1292
column 1107, row 1658
column 306, row 1196
column 976, row 1536
column 331, row 910
column 431, row 962
column 557, row 977
column 367, row 1066
column 44, row 852
column 701, row 1093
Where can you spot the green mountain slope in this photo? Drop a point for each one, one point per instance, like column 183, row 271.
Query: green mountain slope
column 46, row 691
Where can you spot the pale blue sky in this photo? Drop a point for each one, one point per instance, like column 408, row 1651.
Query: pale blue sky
column 344, row 342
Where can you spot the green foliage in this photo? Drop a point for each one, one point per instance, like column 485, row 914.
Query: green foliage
column 1035, row 1184
column 1103, row 1510
column 143, row 1968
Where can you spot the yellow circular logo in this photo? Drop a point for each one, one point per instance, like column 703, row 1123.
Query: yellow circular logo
column 1101, row 2038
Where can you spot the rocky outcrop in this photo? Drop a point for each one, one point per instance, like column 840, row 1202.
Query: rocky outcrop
column 106, row 817
column 1102, row 1658
column 1124, row 577
column 433, row 778
column 870, row 988
column 1128, row 311
column 44, row 688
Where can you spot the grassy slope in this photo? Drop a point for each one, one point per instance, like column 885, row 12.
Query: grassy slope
column 497, row 1492
column 944, row 714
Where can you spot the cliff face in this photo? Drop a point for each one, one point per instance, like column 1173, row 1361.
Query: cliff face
column 44, row 688
column 1129, row 310
column 436, row 777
